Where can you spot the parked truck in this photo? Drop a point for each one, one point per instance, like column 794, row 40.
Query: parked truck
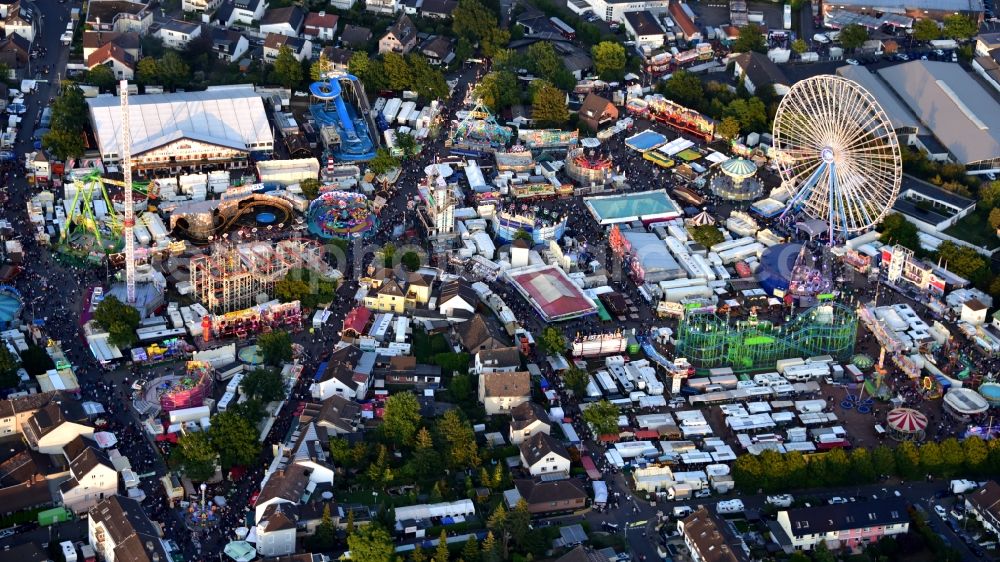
column 680, row 491
column 962, row 486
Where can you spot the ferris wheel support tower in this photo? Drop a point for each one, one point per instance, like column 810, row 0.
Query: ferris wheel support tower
column 129, row 220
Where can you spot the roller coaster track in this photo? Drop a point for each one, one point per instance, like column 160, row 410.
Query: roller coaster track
column 243, row 208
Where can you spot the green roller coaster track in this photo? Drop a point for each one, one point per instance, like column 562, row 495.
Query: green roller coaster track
column 708, row 340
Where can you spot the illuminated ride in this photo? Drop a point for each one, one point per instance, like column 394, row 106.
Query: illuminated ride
column 341, row 214
column 906, row 424
column 838, row 153
column 479, row 132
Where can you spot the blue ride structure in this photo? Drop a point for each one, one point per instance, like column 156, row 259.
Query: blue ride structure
column 345, row 126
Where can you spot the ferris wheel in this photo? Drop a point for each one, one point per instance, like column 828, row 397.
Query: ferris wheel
column 837, row 153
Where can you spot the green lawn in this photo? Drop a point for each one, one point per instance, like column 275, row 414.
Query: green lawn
column 975, row 228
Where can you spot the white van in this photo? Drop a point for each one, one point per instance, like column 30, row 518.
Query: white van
column 682, row 511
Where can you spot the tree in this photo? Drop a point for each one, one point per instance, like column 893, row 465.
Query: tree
column 119, row 319
column 425, row 456
column 310, row 188
column 976, row 454
column 195, row 456
column 989, row 194
column 837, row 466
column 410, row 260
column 383, row 162
column 952, row 457
column 576, row 380
column 958, row 26
column 147, row 71
column 553, row 341
column 102, row 77
column 518, row 523
column 931, row 458
column 897, row 230
column 907, row 460
column 685, row 88
column 397, row 70
column 418, row 554
column 319, row 69
column 407, row 144
column 543, row 61
column 861, row 465
column 460, row 440
column 707, row 235
column 751, row 39
column 263, row 384
column 603, row 416
column 751, row 113
column 548, row 106
column 799, row 46
column 853, row 36
column 234, row 438
column 995, row 218
column 371, row 543
column 401, row 418
column 379, row 472
column 498, row 90
column 609, row 60
column 470, row 552
column 325, row 535
column 287, row 68
column 441, row 553
column 883, row 461
column 926, row 30
column 8, row 368
column 478, row 24
column 490, row 550
column 173, row 71
column 748, row 472
column 960, row 260
column 69, row 117
column 523, row 234
column 63, row 144
column 822, row 553
column 729, row 128
column 275, row 347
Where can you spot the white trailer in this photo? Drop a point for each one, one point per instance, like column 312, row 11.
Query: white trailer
column 736, row 254
column 681, row 293
column 391, row 109
column 404, row 112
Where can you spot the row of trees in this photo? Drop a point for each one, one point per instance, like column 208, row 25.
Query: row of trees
column 307, row 287
column 736, row 112
column 394, row 71
column 771, row 471
column 956, row 26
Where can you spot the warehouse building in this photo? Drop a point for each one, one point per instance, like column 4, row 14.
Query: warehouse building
column 214, row 129
column 916, row 9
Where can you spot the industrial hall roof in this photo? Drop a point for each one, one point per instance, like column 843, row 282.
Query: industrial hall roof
column 230, row 117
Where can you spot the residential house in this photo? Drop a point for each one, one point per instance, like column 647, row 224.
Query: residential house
column 92, row 476
column 548, row 497
column 404, row 369
column 343, row 4
column 23, row 481
column 386, row 296
column 248, row 11
column 15, row 51
column 355, row 37
column 320, row 26
column 596, row 111
column 439, row 50
column 176, row 34
column 284, row 21
column 118, row 15
column 121, row 63
column 336, row 415
column 476, row 334
column 53, row 426
column 756, row 70
column 644, row 29
column 6, row 5
column 973, row 312
column 229, row 45
column 984, row 505
column 119, row 531
column 456, row 295
column 418, row 288
column 301, row 48
column 410, row 7
column 93, row 40
column 499, row 392
column 438, row 9
column 15, row 412
column 382, row 6
column 543, row 455
column 400, row 38
column 20, row 20
column 851, row 525
column 340, row 59
column 527, row 420
column 711, row 538
column 348, row 372
column 276, row 530
column 200, row 6
column 497, row 360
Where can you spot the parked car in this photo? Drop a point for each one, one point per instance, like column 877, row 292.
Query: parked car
column 941, row 511
column 852, row 62
column 836, row 500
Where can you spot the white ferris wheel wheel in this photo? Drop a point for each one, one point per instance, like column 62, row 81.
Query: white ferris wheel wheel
column 837, row 153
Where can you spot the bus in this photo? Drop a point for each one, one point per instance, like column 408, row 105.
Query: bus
column 788, row 16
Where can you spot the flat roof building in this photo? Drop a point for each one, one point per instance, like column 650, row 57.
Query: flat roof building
column 218, row 127
column 917, row 9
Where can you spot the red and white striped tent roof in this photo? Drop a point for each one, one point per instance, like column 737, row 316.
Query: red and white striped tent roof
column 906, row 420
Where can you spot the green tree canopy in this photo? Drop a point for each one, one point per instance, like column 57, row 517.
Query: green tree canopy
column 989, row 194
column 69, row 117
column 799, row 46
column 371, row 543
column 609, row 60
column 958, row 26
column 960, row 260
column 926, row 30
column 401, row 418
column 548, row 107
column 498, row 90
column 195, row 456
column 707, row 235
column 319, row 69
column 397, row 70
column 685, row 88
column 407, row 144
column 728, row 128
column 119, row 319
column 173, row 71
column 102, row 77
column 897, row 230
column 275, row 347
column 543, row 61
column 460, row 441
column 287, row 69
column 751, row 39
column 552, row 341
column 603, row 416
column 853, row 36
column 410, row 260
column 310, row 188
column 64, row 144
column 477, row 23
column 264, row 384
column 383, row 162
column 8, row 368
column 576, row 379
column 234, row 438
column 147, row 71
